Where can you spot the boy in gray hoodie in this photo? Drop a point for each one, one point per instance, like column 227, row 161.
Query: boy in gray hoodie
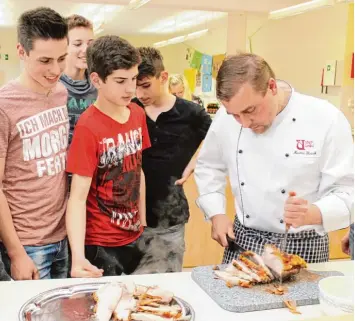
column 81, row 93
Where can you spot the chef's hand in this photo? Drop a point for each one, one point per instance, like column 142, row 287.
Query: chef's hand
column 82, row 268
column 298, row 212
column 345, row 244
column 23, row 268
column 221, row 227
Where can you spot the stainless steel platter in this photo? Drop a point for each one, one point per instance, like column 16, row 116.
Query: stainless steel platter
column 74, row 303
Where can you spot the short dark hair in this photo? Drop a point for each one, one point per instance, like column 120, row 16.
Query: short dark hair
column 152, row 62
column 40, row 23
column 239, row 69
column 110, row 53
column 77, row 21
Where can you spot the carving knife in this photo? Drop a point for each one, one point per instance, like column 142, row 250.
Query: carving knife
column 284, row 241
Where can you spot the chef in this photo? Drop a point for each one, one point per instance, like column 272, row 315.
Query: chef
column 289, row 159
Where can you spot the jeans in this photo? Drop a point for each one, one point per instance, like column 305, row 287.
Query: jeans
column 51, row 260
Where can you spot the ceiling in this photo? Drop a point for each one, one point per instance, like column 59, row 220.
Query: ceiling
column 155, row 18
column 212, row 5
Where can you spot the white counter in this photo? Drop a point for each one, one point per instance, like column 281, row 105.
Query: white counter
column 14, row 294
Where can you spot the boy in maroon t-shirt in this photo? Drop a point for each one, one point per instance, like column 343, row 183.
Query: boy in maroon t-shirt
column 106, row 208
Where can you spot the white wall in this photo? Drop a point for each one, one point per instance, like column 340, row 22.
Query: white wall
column 9, row 69
column 174, row 55
column 297, row 48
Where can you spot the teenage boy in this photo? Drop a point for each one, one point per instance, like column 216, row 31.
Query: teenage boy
column 176, row 128
column 81, row 92
column 34, row 130
column 106, row 208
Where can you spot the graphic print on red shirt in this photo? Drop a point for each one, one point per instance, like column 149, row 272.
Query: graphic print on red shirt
column 117, row 173
column 110, row 153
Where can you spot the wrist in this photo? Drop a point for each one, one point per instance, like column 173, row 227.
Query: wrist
column 16, row 253
column 77, row 257
column 314, row 216
column 216, row 217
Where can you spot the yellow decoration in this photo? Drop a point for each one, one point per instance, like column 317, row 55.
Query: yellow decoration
column 190, row 75
column 216, row 64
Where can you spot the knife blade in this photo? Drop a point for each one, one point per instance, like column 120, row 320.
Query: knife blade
column 283, row 245
column 233, row 246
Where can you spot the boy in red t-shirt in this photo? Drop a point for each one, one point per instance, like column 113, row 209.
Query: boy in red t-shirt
column 106, row 208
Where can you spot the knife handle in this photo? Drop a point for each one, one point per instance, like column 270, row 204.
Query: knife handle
column 291, row 194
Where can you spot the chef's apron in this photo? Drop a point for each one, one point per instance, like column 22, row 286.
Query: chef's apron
column 309, row 245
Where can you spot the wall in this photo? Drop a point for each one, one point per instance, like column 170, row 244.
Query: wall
column 298, row 47
column 9, row 69
column 174, row 55
column 347, row 97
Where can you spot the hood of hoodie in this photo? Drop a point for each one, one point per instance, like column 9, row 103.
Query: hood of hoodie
column 78, row 88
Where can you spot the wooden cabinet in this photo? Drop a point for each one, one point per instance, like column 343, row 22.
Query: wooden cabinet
column 202, row 250
column 335, row 244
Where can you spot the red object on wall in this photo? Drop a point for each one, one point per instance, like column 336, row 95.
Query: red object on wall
column 352, row 68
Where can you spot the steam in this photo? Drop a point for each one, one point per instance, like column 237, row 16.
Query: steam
column 164, row 246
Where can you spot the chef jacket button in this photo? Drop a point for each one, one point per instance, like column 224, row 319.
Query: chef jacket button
column 242, row 183
column 293, row 119
column 240, row 151
column 247, row 216
column 287, row 155
column 281, row 221
column 283, row 191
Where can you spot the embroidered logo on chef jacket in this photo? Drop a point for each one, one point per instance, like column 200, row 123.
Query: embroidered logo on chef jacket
column 306, row 148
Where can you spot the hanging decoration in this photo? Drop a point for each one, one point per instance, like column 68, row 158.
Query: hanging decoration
column 203, row 68
column 207, row 65
column 196, row 60
column 206, row 83
column 216, row 64
column 190, row 75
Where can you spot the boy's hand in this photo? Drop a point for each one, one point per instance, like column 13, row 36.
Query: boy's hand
column 345, row 244
column 84, row 269
column 23, row 268
column 185, row 176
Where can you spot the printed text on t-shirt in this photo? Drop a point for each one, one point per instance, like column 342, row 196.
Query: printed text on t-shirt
column 45, row 139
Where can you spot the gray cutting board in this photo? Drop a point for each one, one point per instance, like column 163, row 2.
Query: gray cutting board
column 303, row 289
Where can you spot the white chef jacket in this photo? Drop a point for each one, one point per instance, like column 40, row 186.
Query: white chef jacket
column 308, row 149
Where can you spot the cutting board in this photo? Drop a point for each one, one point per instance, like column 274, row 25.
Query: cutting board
column 303, row 289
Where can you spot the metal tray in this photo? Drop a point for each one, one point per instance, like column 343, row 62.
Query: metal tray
column 55, row 304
